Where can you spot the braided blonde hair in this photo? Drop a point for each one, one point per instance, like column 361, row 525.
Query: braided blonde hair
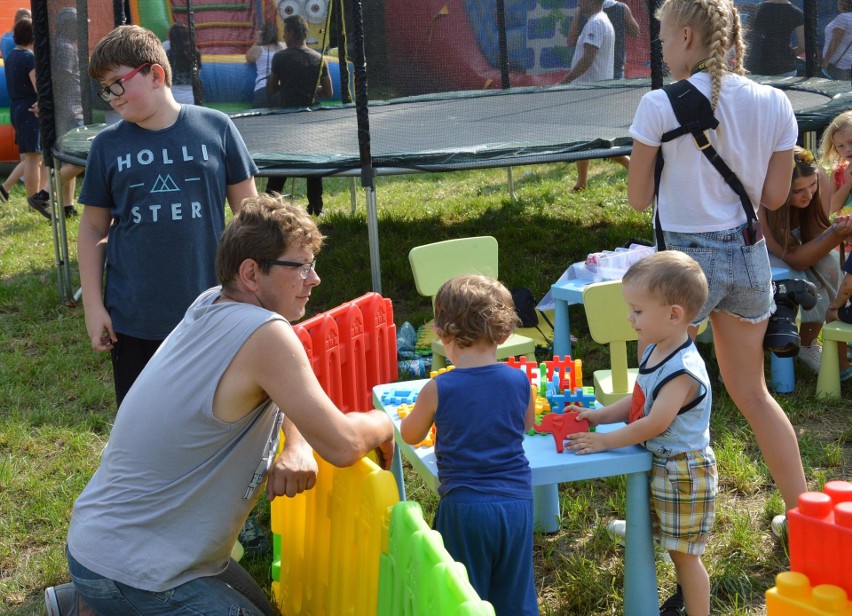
column 717, row 22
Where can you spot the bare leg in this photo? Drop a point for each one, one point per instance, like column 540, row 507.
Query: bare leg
column 67, row 175
column 32, row 170
column 624, row 161
column 693, row 579
column 739, row 351
column 582, row 175
column 16, row 174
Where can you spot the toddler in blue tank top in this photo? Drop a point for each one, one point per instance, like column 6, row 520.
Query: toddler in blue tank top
column 481, row 410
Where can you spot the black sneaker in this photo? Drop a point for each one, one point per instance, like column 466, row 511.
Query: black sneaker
column 254, row 540
column 4, row 194
column 39, row 205
column 70, row 211
column 61, row 600
column 673, row 606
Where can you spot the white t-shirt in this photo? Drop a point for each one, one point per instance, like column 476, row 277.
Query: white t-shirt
column 598, row 32
column 755, row 121
column 843, row 54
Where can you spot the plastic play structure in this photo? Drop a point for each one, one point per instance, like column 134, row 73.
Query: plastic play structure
column 350, row 546
column 223, row 34
column 440, row 46
column 820, row 537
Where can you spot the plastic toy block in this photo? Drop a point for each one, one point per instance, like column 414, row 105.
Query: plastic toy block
column 418, row 577
column 567, row 366
column 399, row 396
column 330, row 540
column 793, row 595
column 820, row 535
column 560, row 426
column 435, row 373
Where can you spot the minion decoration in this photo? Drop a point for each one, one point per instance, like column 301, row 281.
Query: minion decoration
column 315, row 13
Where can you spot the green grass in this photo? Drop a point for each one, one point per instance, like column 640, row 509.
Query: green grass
column 56, row 400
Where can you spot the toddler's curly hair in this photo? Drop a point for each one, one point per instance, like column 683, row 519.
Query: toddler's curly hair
column 473, row 308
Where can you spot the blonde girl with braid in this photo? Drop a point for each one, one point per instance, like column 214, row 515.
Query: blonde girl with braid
column 700, row 214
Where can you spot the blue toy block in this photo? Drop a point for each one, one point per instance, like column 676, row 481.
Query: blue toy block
column 399, row 396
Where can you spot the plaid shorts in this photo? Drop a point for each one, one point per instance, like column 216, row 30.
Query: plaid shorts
column 683, row 497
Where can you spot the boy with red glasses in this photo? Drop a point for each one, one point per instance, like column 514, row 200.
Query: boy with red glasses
column 154, row 195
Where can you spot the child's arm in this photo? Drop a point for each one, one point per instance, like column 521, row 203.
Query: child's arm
column 239, row 191
column 416, row 425
column 672, row 397
column 841, row 193
column 91, row 255
column 589, row 54
column 843, row 295
column 615, row 412
column 529, row 418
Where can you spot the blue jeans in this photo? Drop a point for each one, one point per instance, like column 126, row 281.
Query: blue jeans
column 231, row 593
column 493, row 537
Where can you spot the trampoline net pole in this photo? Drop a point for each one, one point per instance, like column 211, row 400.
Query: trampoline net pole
column 373, row 239
column 809, row 8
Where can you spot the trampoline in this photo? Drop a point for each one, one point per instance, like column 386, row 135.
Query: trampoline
column 464, row 130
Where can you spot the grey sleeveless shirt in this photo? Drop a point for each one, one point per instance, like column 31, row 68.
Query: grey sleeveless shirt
column 175, row 484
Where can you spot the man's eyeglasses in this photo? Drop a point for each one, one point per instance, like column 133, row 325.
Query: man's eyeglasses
column 304, row 268
column 116, row 88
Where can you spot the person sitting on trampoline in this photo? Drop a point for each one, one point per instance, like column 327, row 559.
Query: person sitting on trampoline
column 301, row 76
column 593, row 61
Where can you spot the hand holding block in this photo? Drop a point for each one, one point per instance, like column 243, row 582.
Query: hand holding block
column 561, row 425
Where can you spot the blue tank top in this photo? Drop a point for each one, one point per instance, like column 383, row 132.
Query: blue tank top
column 480, row 431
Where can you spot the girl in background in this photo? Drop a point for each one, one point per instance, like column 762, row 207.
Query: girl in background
column 184, row 61
column 260, row 54
column 836, row 153
column 800, row 236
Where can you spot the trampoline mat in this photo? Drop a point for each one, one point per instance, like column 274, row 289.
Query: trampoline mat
column 468, row 130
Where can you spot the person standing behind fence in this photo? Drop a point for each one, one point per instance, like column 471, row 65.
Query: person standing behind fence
column 624, row 25
column 837, row 50
column 155, row 188
column 185, row 62
column 7, row 44
column 21, row 81
column 481, row 410
column 260, row 54
column 769, row 34
column 300, row 75
column 701, row 215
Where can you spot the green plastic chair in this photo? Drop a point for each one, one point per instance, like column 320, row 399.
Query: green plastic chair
column 434, row 264
column 828, row 379
column 606, row 312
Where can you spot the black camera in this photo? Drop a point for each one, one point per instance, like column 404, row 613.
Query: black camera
column 782, row 335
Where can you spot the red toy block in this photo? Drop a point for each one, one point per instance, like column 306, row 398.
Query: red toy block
column 380, row 341
column 820, row 532
column 566, row 366
column 561, row 425
column 353, row 370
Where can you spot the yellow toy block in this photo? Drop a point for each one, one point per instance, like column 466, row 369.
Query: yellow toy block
column 793, row 595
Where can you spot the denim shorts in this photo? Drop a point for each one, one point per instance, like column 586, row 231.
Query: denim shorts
column 738, row 276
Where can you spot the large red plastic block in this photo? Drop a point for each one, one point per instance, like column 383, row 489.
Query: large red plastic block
column 326, row 356
column 353, row 370
column 820, row 532
column 380, row 340
column 305, row 339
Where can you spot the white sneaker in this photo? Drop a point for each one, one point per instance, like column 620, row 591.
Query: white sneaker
column 617, row 529
column 779, row 526
column 810, row 356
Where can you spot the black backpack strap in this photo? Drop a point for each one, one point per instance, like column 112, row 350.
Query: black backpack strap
column 695, row 114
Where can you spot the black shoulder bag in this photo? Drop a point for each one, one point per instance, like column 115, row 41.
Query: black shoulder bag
column 695, row 114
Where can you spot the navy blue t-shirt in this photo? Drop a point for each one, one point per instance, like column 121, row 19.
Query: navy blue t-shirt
column 166, row 192
column 19, row 64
